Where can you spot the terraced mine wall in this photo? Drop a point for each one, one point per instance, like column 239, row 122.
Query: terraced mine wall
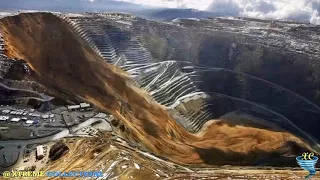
column 282, row 53
column 80, row 70
column 167, row 81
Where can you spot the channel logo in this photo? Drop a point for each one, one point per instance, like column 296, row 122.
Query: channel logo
column 308, row 162
column 34, row 174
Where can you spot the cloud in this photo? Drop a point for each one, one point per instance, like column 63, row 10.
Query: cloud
column 304, row 10
column 315, row 18
column 225, row 6
column 265, row 7
column 308, row 10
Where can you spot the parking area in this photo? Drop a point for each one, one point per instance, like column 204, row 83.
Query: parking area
column 19, row 120
column 15, row 119
column 24, row 116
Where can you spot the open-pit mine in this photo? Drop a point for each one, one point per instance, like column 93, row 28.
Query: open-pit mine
column 142, row 99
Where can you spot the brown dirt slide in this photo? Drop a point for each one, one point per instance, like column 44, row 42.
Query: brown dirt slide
column 62, row 59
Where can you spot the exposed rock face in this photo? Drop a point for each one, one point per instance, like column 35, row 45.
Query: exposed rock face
column 58, row 150
column 63, row 60
column 287, row 54
column 17, row 71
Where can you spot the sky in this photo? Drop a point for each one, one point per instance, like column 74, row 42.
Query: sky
column 302, row 10
column 308, row 10
column 70, row 5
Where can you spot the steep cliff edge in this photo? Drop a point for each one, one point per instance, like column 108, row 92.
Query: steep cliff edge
column 61, row 59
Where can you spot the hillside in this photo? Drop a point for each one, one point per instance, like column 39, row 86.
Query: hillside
column 61, row 59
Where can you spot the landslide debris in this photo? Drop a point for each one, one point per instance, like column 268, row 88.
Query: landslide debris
column 61, row 59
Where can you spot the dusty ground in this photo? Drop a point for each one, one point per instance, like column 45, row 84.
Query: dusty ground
column 120, row 161
column 63, row 60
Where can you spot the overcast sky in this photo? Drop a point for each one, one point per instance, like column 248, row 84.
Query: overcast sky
column 306, row 10
column 272, row 9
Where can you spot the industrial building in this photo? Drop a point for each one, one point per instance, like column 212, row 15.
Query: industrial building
column 4, row 118
column 5, row 111
column 84, row 106
column 29, row 122
column 34, row 115
column 15, row 119
column 80, row 107
column 73, row 107
column 39, row 152
column 45, row 116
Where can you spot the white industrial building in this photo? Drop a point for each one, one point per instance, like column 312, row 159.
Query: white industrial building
column 73, row 107
column 45, row 116
column 82, row 107
column 4, row 118
column 35, row 115
column 6, row 111
column 29, row 122
column 15, row 119
column 39, row 152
